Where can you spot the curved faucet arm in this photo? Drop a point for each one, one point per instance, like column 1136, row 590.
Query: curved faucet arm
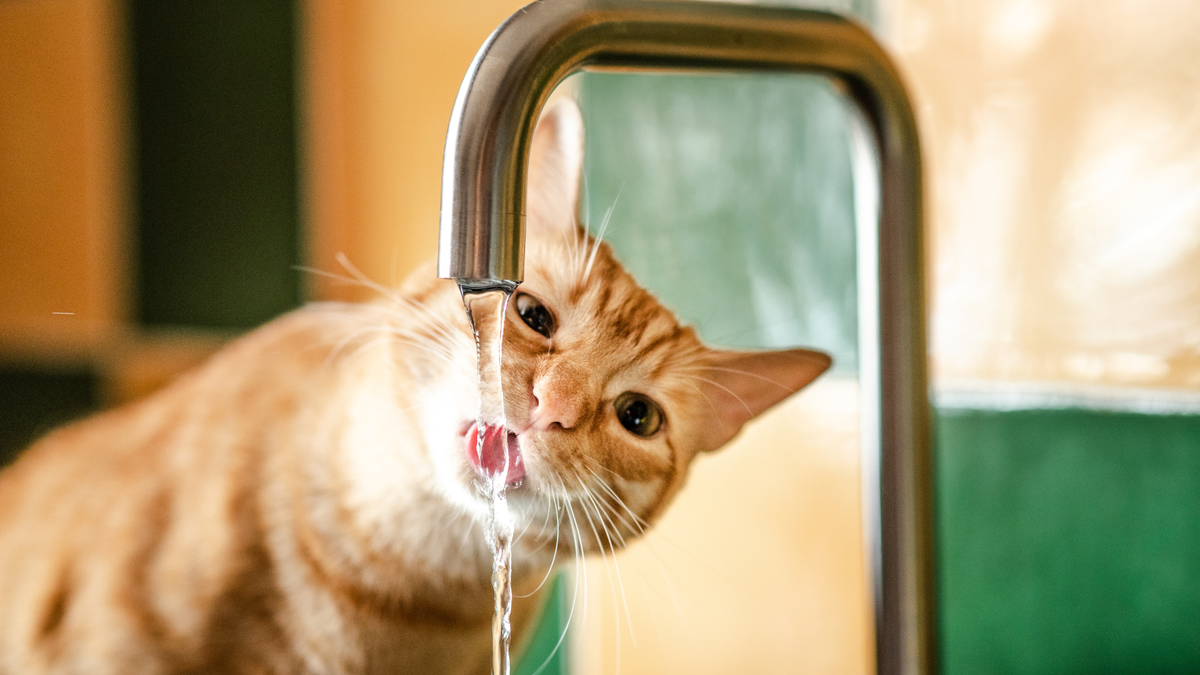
column 487, row 144
column 481, row 240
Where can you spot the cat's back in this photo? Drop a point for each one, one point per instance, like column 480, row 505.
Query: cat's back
column 127, row 539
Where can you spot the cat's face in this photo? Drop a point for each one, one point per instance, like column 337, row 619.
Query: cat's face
column 608, row 398
column 603, row 390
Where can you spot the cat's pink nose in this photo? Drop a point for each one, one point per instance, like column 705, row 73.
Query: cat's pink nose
column 550, row 409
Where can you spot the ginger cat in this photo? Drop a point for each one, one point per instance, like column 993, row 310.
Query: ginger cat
column 305, row 502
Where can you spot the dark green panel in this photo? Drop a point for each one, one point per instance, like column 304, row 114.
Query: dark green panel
column 1069, row 542
column 547, row 651
column 32, row 402
column 732, row 199
column 216, row 157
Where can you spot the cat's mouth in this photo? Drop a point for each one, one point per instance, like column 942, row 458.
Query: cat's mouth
column 498, row 445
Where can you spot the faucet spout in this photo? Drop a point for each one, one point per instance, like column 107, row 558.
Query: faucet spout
column 482, row 235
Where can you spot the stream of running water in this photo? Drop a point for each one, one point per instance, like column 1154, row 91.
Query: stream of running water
column 485, row 304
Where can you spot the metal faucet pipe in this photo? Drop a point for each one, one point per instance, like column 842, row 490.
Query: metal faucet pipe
column 481, row 241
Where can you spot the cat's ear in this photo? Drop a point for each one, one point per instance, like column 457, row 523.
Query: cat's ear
column 741, row 385
column 555, row 166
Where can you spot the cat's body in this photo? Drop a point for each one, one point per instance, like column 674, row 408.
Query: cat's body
column 305, row 501
column 182, row 534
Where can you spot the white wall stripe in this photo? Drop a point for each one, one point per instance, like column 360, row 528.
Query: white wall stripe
column 1011, row 396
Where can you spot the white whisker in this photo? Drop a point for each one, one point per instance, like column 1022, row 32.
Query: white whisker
column 600, row 236
column 727, row 390
column 553, row 557
column 616, row 567
column 738, row 371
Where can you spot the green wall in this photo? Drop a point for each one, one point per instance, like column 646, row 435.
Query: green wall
column 1069, row 541
column 34, row 401
column 732, row 199
column 217, row 204
column 548, row 651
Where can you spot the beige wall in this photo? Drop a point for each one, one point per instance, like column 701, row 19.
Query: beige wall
column 757, row 567
column 1062, row 140
column 382, row 77
column 64, row 248
column 61, row 187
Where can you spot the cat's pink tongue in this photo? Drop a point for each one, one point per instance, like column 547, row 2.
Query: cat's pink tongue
column 489, row 460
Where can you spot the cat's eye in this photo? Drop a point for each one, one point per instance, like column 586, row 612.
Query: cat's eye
column 535, row 315
column 637, row 413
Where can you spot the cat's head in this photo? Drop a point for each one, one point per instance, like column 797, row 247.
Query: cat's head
column 608, row 397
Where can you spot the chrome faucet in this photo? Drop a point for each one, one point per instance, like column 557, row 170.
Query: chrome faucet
column 481, row 241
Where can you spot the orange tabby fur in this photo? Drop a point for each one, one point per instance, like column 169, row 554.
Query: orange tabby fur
column 303, row 503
